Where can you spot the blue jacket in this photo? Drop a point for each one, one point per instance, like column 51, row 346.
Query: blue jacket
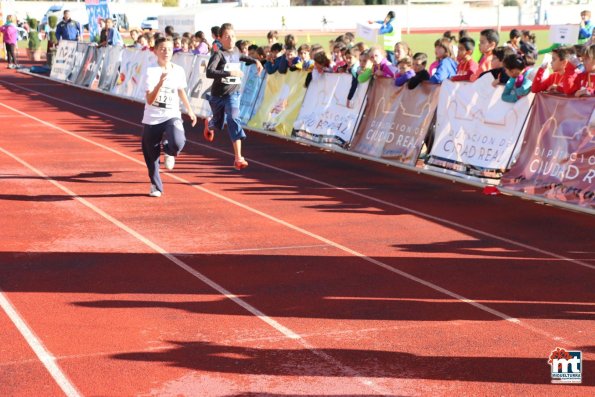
column 114, row 37
column 70, row 30
column 446, row 69
column 586, row 32
column 385, row 27
column 512, row 93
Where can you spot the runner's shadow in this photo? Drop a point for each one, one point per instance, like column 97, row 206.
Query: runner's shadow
column 206, row 356
column 64, row 197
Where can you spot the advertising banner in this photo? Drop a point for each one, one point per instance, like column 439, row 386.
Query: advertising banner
column 283, row 97
column 90, row 66
column 64, row 60
column 326, row 116
column 132, row 69
column 396, row 121
column 96, row 10
column 110, row 68
column 557, row 159
column 251, row 92
column 476, row 131
column 199, row 87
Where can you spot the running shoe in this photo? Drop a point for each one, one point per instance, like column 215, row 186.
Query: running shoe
column 170, row 162
column 240, row 164
column 154, row 191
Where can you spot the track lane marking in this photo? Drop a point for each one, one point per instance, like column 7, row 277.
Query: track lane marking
column 346, row 190
column 298, row 229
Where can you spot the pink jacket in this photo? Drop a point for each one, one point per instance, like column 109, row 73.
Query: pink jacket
column 10, row 33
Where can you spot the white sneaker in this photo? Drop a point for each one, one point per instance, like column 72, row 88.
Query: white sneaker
column 154, row 191
column 170, row 161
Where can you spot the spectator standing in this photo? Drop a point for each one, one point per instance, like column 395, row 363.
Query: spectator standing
column 10, row 34
column 388, row 34
column 68, row 29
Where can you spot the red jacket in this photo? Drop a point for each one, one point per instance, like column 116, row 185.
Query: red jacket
column 584, row 80
column 465, row 70
column 564, row 82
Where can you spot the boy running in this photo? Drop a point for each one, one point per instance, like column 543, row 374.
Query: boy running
column 224, row 68
column 165, row 85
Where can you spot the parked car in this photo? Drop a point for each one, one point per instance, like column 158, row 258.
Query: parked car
column 150, row 23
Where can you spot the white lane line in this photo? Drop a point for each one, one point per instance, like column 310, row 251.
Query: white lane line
column 346, row 190
column 288, row 247
column 46, row 358
column 298, row 229
column 346, row 370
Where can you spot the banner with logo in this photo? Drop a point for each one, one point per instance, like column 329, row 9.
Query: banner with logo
column 283, row 97
column 252, row 83
column 79, row 54
column 199, row 87
column 90, row 66
column 110, row 68
column 476, row 131
column 64, row 60
column 96, row 10
column 396, row 121
column 557, row 159
column 326, row 116
column 132, row 69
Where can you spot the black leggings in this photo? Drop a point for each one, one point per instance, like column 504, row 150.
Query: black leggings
column 10, row 49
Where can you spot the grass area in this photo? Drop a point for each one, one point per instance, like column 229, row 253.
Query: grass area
column 419, row 42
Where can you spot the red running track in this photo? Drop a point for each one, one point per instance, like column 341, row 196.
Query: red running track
column 307, row 274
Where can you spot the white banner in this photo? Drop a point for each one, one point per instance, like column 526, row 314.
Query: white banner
column 132, row 69
column 564, row 34
column 367, row 32
column 326, row 116
column 475, row 127
column 64, row 60
column 199, row 87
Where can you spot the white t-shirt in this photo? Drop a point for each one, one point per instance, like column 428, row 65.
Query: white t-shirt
column 167, row 104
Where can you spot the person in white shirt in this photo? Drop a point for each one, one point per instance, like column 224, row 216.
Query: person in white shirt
column 164, row 85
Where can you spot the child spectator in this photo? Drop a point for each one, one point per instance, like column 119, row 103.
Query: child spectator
column 177, row 43
column 338, row 61
column 586, row 27
column 381, row 67
column 134, row 35
column 10, row 37
column 515, row 41
column 272, row 37
column 169, row 31
column 142, row 43
column 528, row 44
column 353, row 59
column 185, row 44
column 291, row 58
column 488, row 40
column 405, row 71
column 467, row 66
column 365, row 70
column 497, row 70
column 242, row 46
column 447, row 67
column 215, row 35
column 361, row 46
column 273, row 59
column 519, row 83
column 419, row 63
column 253, row 51
column 562, row 78
column 321, row 65
column 202, row 47
column 584, row 84
column 449, row 39
column 349, row 38
column 402, row 50
column 303, row 61
column 290, row 41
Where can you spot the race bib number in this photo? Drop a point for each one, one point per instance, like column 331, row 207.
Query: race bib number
column 165, row 98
